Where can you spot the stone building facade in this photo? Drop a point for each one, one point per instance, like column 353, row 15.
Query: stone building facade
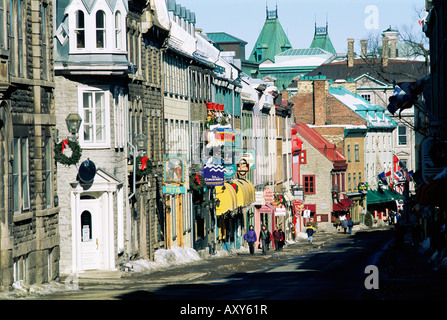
column 29, row 207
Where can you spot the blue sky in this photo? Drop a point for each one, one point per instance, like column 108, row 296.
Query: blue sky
column 346, row 18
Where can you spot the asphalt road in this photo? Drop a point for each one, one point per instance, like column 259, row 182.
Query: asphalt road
column 333, row 267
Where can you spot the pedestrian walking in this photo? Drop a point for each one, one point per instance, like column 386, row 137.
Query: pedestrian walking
column 276, row 238
column 250, row 237
column 281, row 239
column 344, row 224
column 310, row 230
column 350, row 225
column 265, row 236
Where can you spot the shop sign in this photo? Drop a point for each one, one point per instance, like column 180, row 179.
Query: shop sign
column 173, row 189
column 259, row 198
column 280, row 212
column 174, row 171
column 269, row 195
column 230, row 171
column 214, row 175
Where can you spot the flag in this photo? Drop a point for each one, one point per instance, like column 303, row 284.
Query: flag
column 398, row 176
column 388, row 173
column 382, row 177
column 405, row 94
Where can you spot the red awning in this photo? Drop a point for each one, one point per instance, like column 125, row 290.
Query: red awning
column 347, row 202
column 338, row 207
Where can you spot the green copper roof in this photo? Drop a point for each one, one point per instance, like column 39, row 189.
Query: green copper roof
column 321, row 40
column 271, row 41
column 223, row 37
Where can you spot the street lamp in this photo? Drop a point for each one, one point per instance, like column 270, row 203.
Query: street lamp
column 73, row 121
column 141, row 142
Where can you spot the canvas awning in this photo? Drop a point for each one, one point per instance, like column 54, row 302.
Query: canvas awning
column 227, row 197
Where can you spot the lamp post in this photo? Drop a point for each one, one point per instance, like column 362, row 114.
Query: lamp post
column 73, row 122
column 141, row 142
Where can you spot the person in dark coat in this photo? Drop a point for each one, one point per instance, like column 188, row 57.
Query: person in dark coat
column 282, row 239
column 350, row 225
column 250, row 237
column 265, row 236
column 276, row 238
column 310, row 230
column 344, row 224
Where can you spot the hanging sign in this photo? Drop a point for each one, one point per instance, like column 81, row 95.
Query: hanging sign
column 214, row 175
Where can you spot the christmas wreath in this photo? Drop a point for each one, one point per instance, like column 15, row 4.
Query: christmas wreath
column 196, row 182
column 76, row 152
column 144, row 166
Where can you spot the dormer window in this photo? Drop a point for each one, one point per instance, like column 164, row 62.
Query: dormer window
column 118, row 31
column 97, row 29
column 80, row 29
column 100, row 29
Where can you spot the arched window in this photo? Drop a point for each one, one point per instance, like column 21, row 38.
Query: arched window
column 86, row 226
column 118, row 31
column 100, row 29
column 80, row 29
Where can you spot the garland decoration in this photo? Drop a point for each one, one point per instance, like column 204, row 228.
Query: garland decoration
column 76, row 152
column 196, row 182
column 144, row 166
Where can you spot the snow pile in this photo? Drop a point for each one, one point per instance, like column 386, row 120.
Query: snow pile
column 20, row 289
column 164, row 258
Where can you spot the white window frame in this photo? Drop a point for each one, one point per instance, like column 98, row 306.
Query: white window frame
column 110, row 30
column 21, row 188
column 94, row 144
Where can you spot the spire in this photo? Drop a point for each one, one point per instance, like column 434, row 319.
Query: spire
column 271, row 14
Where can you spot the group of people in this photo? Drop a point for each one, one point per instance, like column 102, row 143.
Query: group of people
column 265, row 237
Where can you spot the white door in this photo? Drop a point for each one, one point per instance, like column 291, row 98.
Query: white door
column 91, row 233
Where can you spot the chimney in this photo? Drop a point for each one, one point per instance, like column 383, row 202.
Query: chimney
column 364, row 50
column 385, row 51
column 393, row 52
column 350, row 52
column 320, row 88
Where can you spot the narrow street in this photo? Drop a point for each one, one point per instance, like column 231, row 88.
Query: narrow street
column 333, row 267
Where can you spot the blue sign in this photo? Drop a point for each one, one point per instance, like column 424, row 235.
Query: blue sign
column 173, row 189
column 230, row 171
column 214, row 175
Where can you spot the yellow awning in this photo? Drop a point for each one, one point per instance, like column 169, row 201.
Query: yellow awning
column 250, row 190
column 245, row 193
column 241, row 194
column 227, row 197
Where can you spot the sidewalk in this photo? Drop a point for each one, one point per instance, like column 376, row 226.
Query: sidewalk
column 406, row 274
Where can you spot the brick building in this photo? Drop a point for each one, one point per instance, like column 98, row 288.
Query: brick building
column 29, row 207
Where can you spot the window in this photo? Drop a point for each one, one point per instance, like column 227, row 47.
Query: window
column 20, row 38
column 86, row 226
column 367, row 97
column 402, row 135
column 3, row 24
column 349, row 153
column 349, row 182
column 303, row 157
column 44, row 42
column 80, row 29
column 118, row 31
column 356, row 153
column 20, row 174
column 94, row 108
column 309, row 184
column 100, row 29
column 48, row 156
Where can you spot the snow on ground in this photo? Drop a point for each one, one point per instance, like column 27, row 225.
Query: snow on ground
column 164, row 258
